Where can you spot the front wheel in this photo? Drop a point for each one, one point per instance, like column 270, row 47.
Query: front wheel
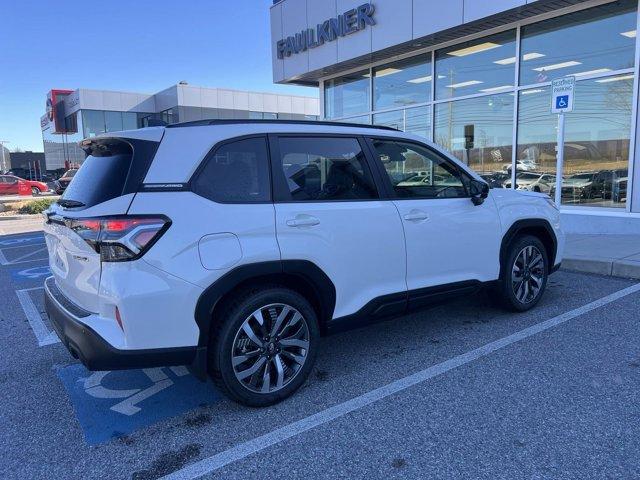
column 264, row 347
column 524, row 275
column 35, row 191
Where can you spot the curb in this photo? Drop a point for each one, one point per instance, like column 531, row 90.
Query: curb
column 20, row 217
column 608, row 267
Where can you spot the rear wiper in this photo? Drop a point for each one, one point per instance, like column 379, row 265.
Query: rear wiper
column 70, row 203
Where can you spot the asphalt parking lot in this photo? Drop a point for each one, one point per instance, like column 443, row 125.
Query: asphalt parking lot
column 462, row 390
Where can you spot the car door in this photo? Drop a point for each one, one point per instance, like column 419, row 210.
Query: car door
column 3, row 186
column 329, row 212
column 12, row 185
column 449, row 239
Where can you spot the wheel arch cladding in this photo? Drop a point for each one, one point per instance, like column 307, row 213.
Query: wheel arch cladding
column 301, row 276
column 539, row 228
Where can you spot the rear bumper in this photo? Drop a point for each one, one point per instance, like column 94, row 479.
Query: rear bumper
column 93, row 350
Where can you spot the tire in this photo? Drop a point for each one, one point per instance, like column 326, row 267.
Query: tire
column 536, row 189
column 35, row 191
column 524, row 295
column 229, row 339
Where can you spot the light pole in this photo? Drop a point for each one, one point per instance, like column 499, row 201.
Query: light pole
column 3, row 166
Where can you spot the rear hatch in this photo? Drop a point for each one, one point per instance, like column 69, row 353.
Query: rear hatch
column 103, row 188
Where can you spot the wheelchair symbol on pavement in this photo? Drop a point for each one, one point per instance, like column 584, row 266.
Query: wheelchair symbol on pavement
column 132, row 397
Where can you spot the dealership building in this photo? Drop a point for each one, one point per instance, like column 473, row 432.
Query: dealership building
column 475, row 77
column 72, row 115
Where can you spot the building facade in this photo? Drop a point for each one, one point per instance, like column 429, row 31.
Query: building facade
column 474, row 76
column 76, row 114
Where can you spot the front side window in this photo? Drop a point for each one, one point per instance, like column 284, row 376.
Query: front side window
column 417, row 172
column 325, row 168
column 237, row 172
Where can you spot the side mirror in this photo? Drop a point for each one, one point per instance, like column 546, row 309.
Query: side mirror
column 479, row 191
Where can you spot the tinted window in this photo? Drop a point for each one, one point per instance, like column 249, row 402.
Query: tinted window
column 325, row 169
column 99, row 179
column 417, row 172
column 237, row 172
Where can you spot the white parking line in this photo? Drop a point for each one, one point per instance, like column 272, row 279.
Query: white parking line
column 243, row 450
column 40, row 330
column 21, row 258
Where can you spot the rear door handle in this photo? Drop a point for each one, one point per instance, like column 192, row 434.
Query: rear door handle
column 303, row 221
column 416, row 216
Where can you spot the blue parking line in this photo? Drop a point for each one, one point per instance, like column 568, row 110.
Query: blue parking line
column 114, row 404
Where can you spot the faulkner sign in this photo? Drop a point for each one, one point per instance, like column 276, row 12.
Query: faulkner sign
column 349, row 22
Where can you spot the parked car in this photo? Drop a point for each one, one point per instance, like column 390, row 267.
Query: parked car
column 534, row 182
column 234, row 261
column 495, row 179
column 619, row 193
column 522, row 166
column 63, row 182
column 590, row 185
column 10, row 185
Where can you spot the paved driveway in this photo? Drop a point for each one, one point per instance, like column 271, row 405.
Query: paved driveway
column 462, row 390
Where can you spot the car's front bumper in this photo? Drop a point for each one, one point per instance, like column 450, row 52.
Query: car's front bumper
column 94, row 351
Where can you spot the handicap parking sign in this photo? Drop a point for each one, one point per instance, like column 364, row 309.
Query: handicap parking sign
column 562, row 102
column 562, row 94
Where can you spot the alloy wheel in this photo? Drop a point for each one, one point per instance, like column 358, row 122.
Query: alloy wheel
column 270, row 348
column 527, row 274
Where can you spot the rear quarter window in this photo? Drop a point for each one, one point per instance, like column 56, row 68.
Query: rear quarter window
column 236, row 172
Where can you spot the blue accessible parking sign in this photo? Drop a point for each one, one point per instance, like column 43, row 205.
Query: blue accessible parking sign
column 562, row 102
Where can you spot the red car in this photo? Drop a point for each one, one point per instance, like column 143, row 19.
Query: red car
column 10, row 184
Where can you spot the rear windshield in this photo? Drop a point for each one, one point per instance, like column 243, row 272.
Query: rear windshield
column 99, row 179
column 113, row 167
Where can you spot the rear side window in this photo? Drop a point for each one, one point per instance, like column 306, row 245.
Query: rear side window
column 324, row 169
column 237, row 172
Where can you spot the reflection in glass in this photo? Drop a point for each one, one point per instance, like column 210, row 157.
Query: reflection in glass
column 361, row 119
column 347, row 95
column 415, row 120
column 418, row 121
column 93, row 122
column 486, row 65
column 402, row 83
column 478, row 131
column 129, row 120
column 597, row 132
column 113, row 121
column 589, row 42
column 393, row 119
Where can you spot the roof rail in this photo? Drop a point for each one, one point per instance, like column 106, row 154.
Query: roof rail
column 201, row 123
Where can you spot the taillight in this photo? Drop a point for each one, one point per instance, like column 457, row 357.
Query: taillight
column 119, row 239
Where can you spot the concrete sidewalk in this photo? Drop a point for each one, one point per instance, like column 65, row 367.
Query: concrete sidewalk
column 615, row 255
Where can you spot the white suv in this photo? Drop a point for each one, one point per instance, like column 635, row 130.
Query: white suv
column 230, row 246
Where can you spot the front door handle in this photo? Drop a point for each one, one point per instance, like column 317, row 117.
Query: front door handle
column 303, row 221
column 416, row 216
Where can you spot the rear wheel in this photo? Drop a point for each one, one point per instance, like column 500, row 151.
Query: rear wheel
column 264, row 347
column 524, row 274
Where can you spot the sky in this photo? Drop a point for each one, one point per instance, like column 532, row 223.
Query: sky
column 136, row 45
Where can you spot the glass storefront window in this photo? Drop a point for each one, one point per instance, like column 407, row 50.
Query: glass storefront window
column 589, row 42
column 402, row 83
column 93, row 122
column 113, row 121
column 415, row 120
column 129, row 120
column 478, row 131
column 362, row 119
column 393, row 119
column 347, row 95
column 486, row 65
column 597, row 132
